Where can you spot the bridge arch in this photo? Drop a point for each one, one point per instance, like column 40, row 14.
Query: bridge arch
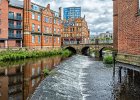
column 85, row 50
column 72, row 49
column 102, row 49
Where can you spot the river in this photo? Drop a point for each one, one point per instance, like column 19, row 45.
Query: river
column 76, row 78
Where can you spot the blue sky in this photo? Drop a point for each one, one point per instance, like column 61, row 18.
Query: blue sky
column 98, row 12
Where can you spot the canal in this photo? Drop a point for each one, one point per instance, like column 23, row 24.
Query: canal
column 76, row 78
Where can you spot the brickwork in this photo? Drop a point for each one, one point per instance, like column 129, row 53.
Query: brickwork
column 126, row 26
column 3, row 22
column 4, row 19
column 42, row 27
column 75, row 31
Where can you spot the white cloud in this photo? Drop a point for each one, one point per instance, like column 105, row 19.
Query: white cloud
column 98, row 12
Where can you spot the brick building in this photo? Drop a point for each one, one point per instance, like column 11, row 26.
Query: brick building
column 42, row 26
column 75, row 31
column 10, row 24
column 126, row 29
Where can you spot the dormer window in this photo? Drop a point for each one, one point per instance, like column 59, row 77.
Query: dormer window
column 35, row 7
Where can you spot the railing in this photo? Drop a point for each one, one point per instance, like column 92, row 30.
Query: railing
column 15, row 17
column 18, row 18
column 11, row 17
column 15, row 26
column 11, row 35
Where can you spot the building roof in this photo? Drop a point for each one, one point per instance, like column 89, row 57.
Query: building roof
column 16, row 3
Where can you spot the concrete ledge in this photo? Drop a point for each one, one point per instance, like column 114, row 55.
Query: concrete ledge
column 128, row 59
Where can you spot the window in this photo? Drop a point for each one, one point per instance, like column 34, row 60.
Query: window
column 33, row 27
column 39, row 17
column 46, row 19
column 18, row 34
column 18, row 16
column 11, row 15
column 18, row 24
column 0, row 21
column 0, row 11
column 11, row 33
column 46, row 39
column 39, row 39
column 58, row 31
column 33, row 38
column 38, row 70
column 38, row 28
column 0, row 31
column 54, row 40
column 55, row 21
column 58, row 40
column 35, row 7
column 54, row 30
column 0, row 1
column 33, row 16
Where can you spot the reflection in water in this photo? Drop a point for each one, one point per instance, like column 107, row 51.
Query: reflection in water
column 127, row 86
column 78, row 78
column 18, row 82
column 84, row 78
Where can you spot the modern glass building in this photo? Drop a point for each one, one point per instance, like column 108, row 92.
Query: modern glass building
column 72, row 12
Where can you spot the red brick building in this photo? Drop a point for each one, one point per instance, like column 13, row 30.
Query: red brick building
column 75, row 31
column 11, row 32
column 126, row 28
column 42, row 26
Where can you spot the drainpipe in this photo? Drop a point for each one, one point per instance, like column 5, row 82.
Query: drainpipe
column 41, row 20
column 53, row 30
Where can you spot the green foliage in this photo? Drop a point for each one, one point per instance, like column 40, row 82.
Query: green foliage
column 96, row 52
column 46, row 72
column 17, row 55
column 108, row 60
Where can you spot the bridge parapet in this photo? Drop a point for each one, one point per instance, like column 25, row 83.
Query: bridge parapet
column 79, row 47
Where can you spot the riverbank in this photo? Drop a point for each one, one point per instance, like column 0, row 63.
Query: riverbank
column 19, row 55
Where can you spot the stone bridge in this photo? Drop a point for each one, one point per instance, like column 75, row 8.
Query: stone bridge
column 86, row 48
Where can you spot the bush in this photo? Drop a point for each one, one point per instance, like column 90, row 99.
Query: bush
column 17, row 55
column 46, row 72
column 108, row 60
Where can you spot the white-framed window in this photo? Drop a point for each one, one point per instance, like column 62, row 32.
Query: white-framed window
column 39, row 39
column 58, row 40
column 47, row 29
column 58, row 31
column 54, row 21
column 33, row 71
column 38, row 70
column 46, row 39
column 54, row 30
column 39, row 17
column 33, row 82
column 33, row 15
column 38, row 28
column 33, row 38
column 33, row 27
column 54, row 39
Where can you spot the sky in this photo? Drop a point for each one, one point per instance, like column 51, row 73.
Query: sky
column 99, row 13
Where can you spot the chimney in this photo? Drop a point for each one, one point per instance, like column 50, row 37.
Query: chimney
column 48, row 6
column 60, row 9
